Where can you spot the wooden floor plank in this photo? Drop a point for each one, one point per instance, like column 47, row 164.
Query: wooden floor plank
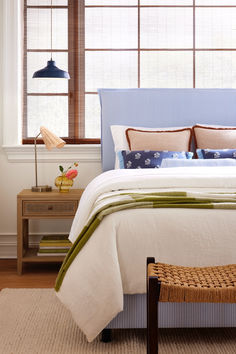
column 34, row 275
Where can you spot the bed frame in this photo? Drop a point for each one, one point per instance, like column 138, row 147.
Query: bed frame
column 166, row 108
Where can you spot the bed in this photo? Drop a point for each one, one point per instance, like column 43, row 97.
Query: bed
column 111, row 264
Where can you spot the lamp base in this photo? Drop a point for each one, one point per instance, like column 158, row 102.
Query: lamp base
column 41, row 189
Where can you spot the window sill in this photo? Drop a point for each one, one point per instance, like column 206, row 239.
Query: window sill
column 25, row 153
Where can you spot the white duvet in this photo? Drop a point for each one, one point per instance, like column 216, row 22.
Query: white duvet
column 112, row 262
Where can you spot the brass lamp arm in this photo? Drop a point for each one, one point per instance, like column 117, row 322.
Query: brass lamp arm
column 35, row 157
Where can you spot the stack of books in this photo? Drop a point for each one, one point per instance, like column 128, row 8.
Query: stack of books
column 54, row 245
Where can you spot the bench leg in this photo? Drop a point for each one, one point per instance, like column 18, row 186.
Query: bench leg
column 153, row 293
column 106, row 335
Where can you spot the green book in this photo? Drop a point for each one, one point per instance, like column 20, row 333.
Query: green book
column 55, row 244
column 55, row 238
column 53, row 250
column 51, row 254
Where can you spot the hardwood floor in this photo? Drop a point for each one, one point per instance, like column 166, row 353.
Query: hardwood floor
column 34, row 275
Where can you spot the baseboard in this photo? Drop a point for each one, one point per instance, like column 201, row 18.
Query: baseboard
column 8, row 243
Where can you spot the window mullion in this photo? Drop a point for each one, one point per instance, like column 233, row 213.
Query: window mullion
column 139, row 68
column 72, row 67
column 80, row 126
column 194, row 44
column 24, row 120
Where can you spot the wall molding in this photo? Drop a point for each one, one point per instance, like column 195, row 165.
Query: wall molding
column 25, row 153
column 8, row 243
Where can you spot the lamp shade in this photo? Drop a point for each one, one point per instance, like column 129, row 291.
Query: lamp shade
column 51, row 71
column 50, row 139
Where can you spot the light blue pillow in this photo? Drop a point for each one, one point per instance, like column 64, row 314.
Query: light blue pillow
column 121, row 160
column 166, row 163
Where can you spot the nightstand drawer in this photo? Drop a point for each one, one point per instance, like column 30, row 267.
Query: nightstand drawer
column 38, row 208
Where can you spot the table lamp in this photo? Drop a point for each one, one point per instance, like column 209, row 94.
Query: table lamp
column 50, row 140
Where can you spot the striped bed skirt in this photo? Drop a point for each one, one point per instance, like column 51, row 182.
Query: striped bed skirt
column 175, row 315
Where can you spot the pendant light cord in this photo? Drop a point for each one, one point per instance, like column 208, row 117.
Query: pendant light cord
column 51, row 29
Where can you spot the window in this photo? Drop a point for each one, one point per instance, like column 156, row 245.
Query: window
column 120, row 44
column 48, row 102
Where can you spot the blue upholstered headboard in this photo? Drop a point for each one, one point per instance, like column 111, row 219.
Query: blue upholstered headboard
column 162, row 108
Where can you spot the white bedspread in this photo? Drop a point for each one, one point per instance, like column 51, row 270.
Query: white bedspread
column 113, row 260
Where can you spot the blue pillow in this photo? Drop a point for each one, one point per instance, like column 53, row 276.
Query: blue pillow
column 150, row 159
column 216, row 154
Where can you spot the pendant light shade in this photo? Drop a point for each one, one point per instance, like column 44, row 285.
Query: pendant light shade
column 51, row 71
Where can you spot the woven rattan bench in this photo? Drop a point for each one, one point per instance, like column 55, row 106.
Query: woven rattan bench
column 169, row 283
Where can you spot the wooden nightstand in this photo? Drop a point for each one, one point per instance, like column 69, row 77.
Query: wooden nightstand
column 45, row 205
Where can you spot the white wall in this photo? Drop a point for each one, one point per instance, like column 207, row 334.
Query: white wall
column 15, row 176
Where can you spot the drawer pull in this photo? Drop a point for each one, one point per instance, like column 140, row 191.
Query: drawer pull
column 50, row 207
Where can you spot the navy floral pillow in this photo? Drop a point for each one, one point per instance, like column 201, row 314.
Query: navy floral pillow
column 150, row 159
column 216, row 154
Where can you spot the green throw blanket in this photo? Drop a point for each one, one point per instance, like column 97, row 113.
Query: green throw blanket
column 116, row 201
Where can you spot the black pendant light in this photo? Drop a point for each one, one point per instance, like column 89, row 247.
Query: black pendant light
column 51, row 71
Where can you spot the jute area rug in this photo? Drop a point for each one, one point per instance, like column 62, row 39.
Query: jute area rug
column 34, row 321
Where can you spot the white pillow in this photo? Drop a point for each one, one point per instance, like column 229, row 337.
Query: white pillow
column 197, row 162
column 120, row 141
